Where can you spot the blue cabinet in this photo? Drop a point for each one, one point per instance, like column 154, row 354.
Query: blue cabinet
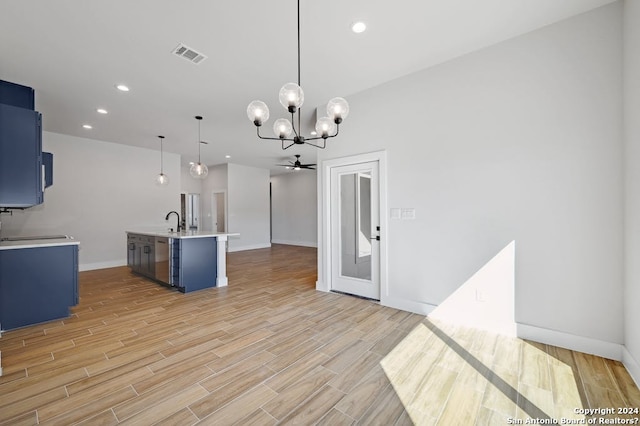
column 37, row 284
column 193, row 263
column 24, row 169
column 20, row 157
column 17, row 95
column 140, row 254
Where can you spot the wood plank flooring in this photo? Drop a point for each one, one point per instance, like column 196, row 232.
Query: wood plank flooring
column 269, row 349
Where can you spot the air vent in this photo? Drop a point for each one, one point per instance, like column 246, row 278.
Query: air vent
column 189, row 54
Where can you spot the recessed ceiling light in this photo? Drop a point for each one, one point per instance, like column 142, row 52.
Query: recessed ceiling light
column 358, row 27
column 313, row 133
column 122, row 88
column 87, row 126
column 191, row 163
column 101, row 111
column 227, row 156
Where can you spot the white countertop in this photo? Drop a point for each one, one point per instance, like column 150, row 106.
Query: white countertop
column 183, row 234
column 9, row 245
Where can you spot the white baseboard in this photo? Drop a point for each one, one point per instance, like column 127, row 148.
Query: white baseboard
column 250, row 247
column 295, row 243
column 101, row 265
column 322, row 286
column 632, row 365
column 407, row 305
column 570, row 341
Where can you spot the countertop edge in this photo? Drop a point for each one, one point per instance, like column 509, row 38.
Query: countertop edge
column 11, row 245
column 176, row 235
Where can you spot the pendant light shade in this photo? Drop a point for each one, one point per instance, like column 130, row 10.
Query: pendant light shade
column 199, row 170
column 162, row 179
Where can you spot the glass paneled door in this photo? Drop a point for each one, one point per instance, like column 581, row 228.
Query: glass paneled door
column 355, row 226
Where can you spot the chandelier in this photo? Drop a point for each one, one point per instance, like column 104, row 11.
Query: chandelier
column 292, row 98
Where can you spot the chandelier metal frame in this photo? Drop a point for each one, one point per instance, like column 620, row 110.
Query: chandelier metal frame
column 337, row 109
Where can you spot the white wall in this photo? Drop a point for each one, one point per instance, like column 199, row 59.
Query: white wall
column 216, row 181
column 517, row 142
column 188, row 184
column 248, row 207
column 247, row 190
column 293, row 207
column 99, row 191
column 632, row 185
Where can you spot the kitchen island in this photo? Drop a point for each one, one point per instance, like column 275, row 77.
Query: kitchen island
column 187, row 260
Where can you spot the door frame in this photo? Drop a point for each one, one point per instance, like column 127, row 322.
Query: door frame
column 324, row 217
column 213, row 212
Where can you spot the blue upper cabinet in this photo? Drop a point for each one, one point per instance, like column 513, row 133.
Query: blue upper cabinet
column 17, row 95
column 20, row 157
column 24, row 170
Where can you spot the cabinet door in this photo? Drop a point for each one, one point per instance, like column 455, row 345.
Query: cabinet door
column 37, row 284
column 198, row 263
column 148, row 259
column 17, row 95
column 131, row 251
column 20, row 157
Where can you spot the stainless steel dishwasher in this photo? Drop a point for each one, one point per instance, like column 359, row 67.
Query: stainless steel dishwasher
column 163, row 271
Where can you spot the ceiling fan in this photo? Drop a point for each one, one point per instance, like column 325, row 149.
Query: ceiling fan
column 297, row 165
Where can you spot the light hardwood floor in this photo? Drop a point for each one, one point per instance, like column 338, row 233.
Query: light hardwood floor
column 270, row 349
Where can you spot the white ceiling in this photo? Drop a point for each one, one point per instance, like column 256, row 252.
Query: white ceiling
column 73, row 52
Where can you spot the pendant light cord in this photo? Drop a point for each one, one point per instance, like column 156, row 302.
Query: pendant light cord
column 161, row 155
column 199, row 138
column 299, row 114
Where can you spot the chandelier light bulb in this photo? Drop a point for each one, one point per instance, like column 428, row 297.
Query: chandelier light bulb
column 258, row 112
column 291, row 96
column 325, row 127
column 338, row 109
column 282, row 128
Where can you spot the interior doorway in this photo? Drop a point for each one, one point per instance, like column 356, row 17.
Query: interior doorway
column 190, row 211
column 219, row 211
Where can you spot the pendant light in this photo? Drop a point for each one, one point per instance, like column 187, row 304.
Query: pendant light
column 162, row 179
column 199, row 170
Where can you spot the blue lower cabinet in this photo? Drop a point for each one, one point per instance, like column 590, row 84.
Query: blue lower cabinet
column 37, row 284
column 194, row 263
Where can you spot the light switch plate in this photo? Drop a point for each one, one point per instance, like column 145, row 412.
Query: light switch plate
column 408, row 214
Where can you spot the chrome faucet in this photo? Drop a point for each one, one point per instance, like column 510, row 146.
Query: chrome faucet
column 177, row 214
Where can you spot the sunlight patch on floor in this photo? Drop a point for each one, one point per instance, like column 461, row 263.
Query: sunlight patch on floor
column 450, row 374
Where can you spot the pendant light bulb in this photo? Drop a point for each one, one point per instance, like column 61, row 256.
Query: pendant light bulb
column 162, row 179
column 199, row 170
